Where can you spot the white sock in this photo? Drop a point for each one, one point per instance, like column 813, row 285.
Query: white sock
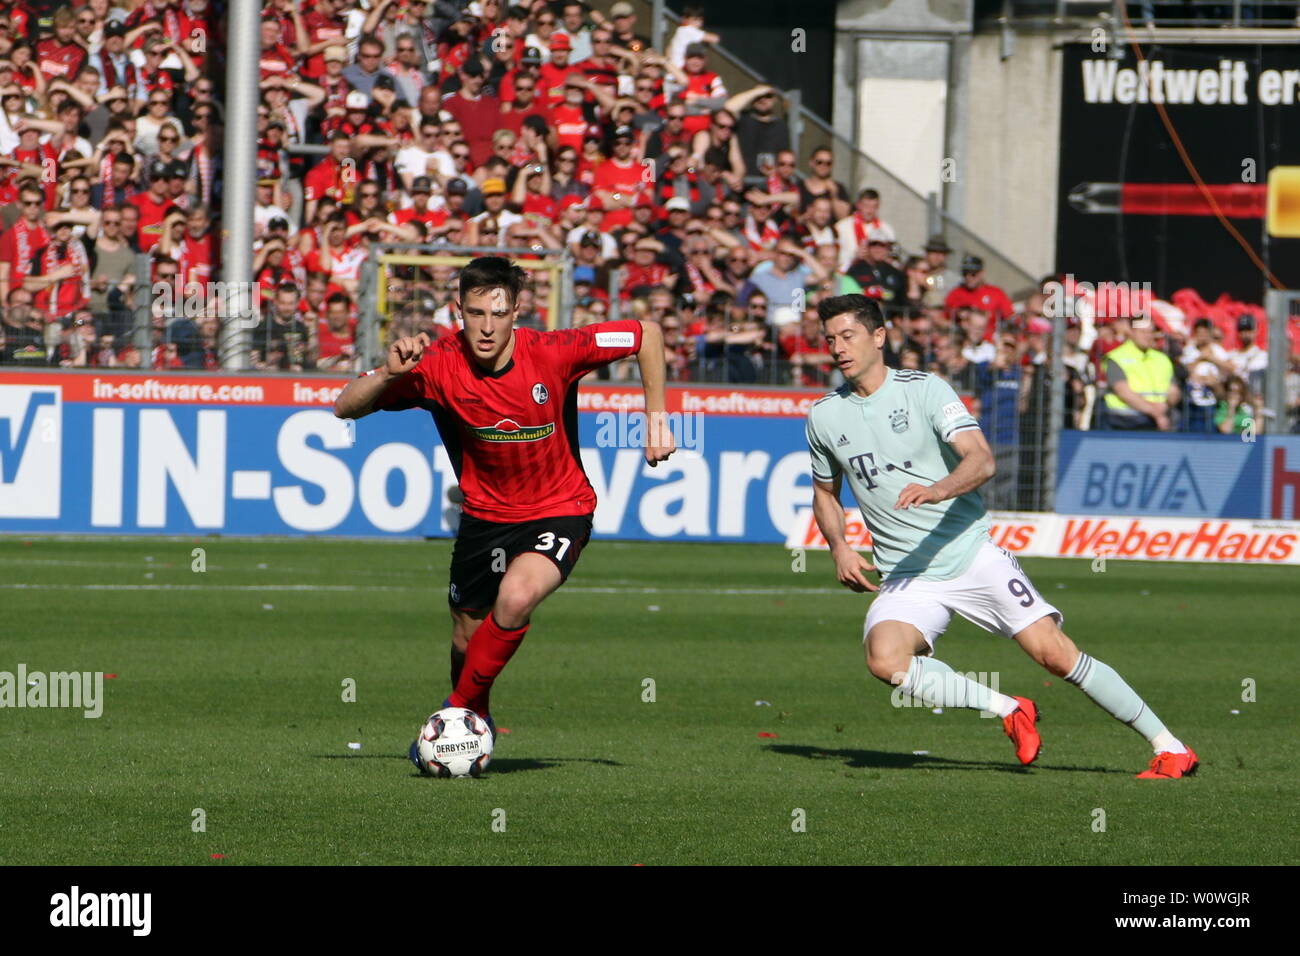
column 1165, row 741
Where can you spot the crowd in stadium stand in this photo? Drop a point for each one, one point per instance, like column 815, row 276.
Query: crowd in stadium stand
column 538, row 128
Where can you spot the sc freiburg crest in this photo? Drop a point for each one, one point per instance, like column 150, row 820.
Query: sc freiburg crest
column 540, row 394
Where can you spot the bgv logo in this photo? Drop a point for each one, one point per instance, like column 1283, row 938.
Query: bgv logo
column 31, row 426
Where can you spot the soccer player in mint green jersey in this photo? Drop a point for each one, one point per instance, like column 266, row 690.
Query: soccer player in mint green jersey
column 915, row 458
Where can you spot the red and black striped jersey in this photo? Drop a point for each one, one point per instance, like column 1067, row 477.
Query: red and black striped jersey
column 512, row 435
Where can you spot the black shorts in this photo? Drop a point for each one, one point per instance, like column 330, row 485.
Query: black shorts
column 484, row 548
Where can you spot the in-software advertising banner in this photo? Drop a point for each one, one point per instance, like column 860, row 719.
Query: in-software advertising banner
column 196, row 454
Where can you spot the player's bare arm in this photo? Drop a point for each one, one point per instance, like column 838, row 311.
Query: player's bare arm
column 358, row 398
column 851, row 568
column 975, row 468
column 650, row 359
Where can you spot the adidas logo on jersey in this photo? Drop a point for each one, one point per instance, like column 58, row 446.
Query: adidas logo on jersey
column 844, row 440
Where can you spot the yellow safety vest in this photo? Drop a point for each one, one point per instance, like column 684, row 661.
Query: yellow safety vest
column 1148, row 373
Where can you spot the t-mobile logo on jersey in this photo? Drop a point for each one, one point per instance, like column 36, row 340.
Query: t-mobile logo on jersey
column 864, row 466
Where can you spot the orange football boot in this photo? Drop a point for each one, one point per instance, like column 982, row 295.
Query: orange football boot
column 1171, row 766
column 1019, row 725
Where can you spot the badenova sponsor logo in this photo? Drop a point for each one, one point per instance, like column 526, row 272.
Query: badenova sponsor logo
column 615, row 340
column 509, row 430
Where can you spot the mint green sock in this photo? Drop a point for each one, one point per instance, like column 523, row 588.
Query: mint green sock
column 939, row 685
column 1108, row 691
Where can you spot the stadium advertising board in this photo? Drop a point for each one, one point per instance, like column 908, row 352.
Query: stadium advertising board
column 1111, row 536
column 204, row 454
column 1128, row 207
column 1187, row 476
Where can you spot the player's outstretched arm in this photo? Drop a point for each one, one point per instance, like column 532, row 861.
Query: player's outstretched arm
column 358, row 398
column 975, row 468
column 650, row 359
column 850, row 567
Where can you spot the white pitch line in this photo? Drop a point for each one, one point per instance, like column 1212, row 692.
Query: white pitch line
column 575, row 589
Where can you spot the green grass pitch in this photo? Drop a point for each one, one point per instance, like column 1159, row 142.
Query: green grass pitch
column 229, row 686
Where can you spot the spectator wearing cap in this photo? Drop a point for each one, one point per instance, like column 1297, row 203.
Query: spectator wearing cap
column 528, row 68
column 589, row 228
column 477, row 112
column 494, row 213
column 153, row 205
column 574, row 26
column 975, row 293
column 673, row 233
column 553, row 74
column 569, row 118
column 1249, row 361
column 852, row 230
column 782, row 280
column 332, row 81
column 112, row 60
column 645, row 270
column 618, row 180
column 940, row 278
column 587, row 252
column 177, row 179
column 759, row 130
column 622, row 23
column 703, row 92
column 421, row 208
column 1207, row 366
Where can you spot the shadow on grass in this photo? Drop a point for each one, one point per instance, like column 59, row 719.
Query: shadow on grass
column 886, row 760
column 499, row 764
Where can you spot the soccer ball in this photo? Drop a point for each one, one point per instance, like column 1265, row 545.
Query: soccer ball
column 454, row 742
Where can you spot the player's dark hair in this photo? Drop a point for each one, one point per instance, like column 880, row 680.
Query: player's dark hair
column 492, row 272
column 866, row 311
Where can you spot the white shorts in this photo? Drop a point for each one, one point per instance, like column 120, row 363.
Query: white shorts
column 993, row 593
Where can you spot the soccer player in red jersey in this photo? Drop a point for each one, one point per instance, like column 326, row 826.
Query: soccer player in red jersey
column 505, row 403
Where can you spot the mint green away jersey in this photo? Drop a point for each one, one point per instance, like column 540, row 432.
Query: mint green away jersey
column 883, row 443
